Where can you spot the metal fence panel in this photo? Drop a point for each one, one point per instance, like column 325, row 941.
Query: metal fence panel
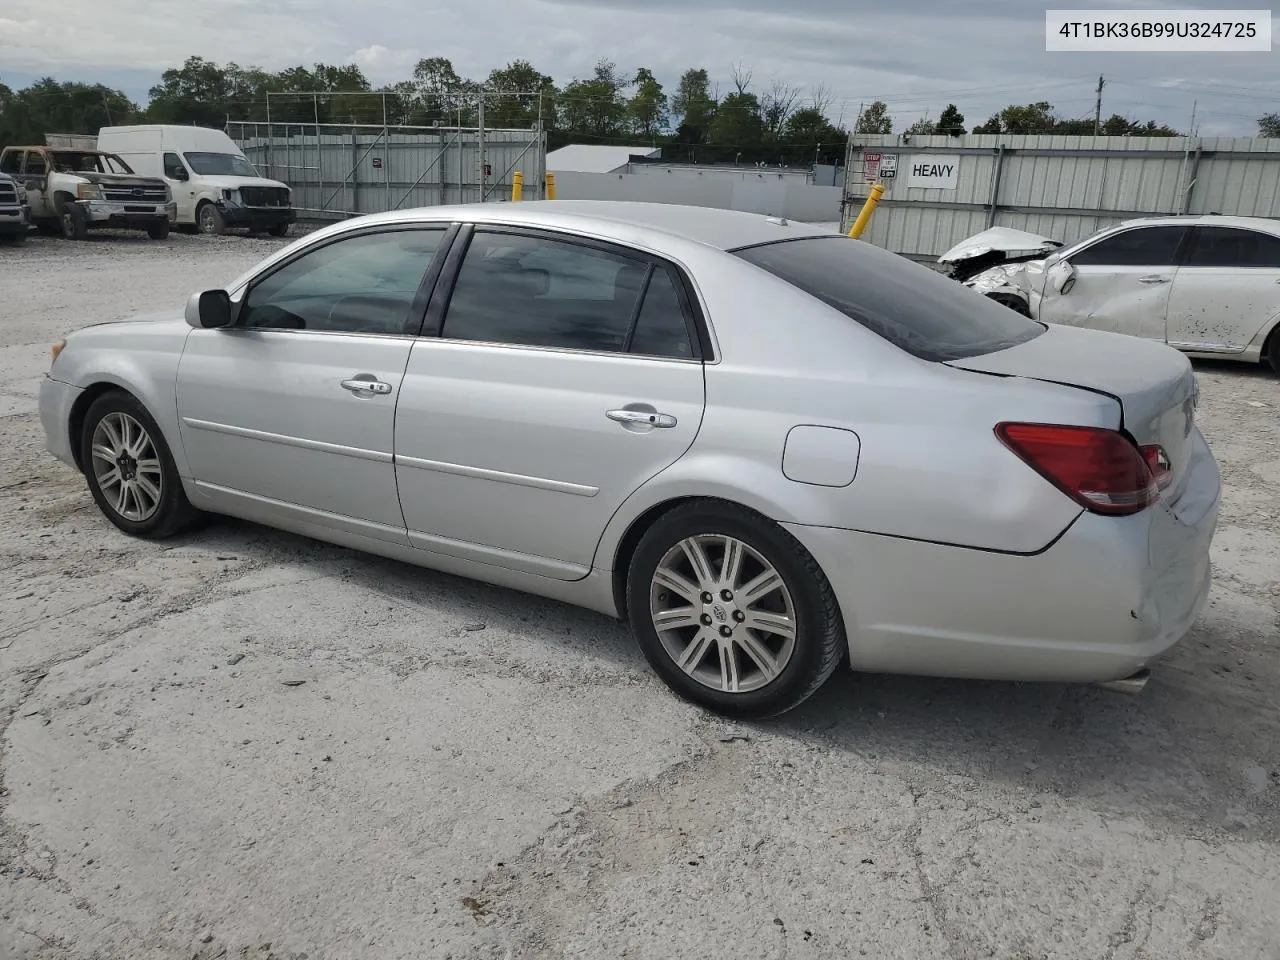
column 339, row 171
column 1063, row 187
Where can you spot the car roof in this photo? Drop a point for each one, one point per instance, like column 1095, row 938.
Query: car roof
column 722, row 229
column 1265, row 224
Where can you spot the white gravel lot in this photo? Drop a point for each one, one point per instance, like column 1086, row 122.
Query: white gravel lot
column 469, row 772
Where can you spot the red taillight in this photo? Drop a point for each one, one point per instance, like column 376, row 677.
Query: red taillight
column 1159, row 465
column 1099, row 469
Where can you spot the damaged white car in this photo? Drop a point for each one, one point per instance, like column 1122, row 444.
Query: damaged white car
column 1208, row 286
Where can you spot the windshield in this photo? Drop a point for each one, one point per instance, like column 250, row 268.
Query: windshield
column 925, row 313
column 220, row 165
column 81, row 161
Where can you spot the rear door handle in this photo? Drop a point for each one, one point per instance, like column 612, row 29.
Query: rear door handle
column 642, row 417
column 1153, row 279
column 358, row 386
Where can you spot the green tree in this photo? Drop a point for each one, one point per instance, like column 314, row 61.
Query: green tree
column 442, row 94
column 951, row 120
column 922, row 128
column 1269, row 125
column 811, row 137
column 647, row 109
column 518, row 88
column 695, row 105
column 738, row 123
column 48, row 106
column 875, row 119
column 776, row 108
column 594, row 108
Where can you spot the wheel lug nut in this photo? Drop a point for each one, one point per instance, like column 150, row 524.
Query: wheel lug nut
column 707, row 598
column 726, row 631
column 706, row 619
column 739, row 616
column 726, row 595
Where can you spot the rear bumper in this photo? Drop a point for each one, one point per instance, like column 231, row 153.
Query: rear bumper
column 1101, row 603
column 103, row 213
column 56, row 401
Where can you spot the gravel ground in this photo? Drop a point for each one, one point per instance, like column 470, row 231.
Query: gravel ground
column 243, row 744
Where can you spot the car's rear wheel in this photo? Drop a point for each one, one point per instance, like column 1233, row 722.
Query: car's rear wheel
column 1272, row 352
column 130, row 470
column 731, row 611
column 279, row 230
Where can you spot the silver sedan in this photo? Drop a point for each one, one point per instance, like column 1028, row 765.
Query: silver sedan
column 769, row 447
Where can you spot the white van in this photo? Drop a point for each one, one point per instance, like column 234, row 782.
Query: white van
column 213, row 184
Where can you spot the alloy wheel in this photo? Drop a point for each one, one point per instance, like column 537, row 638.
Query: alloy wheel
column 723, row 613
column 127, row 467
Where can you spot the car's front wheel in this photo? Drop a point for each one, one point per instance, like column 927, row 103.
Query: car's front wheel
column 130, row 470
column 731, row 611
column 210, row 221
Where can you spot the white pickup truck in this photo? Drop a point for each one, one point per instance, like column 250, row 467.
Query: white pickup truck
column 77, row 190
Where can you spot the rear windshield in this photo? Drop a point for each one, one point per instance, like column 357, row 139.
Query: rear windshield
column 220, row 165
column 920, row 310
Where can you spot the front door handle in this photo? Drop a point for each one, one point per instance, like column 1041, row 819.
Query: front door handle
column 642, row 417
column 1153, row 279
column 369, row 387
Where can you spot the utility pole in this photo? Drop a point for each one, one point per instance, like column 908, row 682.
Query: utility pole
column 480, row 143
column 1192, row 131
column 1097, row 110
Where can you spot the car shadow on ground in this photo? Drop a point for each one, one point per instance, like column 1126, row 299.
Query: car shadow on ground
column 1196, row 749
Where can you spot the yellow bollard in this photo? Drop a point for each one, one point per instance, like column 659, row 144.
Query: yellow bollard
column 517, row 186
column 551, row 186
column 868, row 208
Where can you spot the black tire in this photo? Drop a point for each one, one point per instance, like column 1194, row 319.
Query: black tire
column 1016, row 304
column 48, row 228
column 13, row 239
column 1271, row 351
column 173, row 512
column 73, row 222
column 158, row 230
column 209, row 220
column 819, row 629
column 279, row 230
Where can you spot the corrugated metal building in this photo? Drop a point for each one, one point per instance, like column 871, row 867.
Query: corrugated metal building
column 940, row 189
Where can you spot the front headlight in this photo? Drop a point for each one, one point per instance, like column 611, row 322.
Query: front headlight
column 22, row 193
column 232, row 196
column 89, row 191
column 55, row 350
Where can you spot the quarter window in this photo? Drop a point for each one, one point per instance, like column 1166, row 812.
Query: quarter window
column 661, row 328
column 363, row 284
column 1233, row 247
column 537, row 291
column 1144, row 247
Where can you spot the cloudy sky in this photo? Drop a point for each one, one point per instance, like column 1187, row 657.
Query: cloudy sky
column 915, row 54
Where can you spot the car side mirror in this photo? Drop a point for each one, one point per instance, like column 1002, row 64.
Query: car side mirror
column 209, row 310
column 1062, row 277
column 179, row 174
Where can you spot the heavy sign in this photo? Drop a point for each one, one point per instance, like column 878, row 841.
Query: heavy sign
column 933, row 171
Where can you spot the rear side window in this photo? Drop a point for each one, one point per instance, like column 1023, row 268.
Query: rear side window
column 917, row 309
column 1232, row 247
column 1144, row 247
column 537, row 291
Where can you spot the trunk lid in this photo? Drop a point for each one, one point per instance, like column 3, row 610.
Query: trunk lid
column 1153, row 383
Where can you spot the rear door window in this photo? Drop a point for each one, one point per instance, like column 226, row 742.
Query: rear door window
column 1232, row 247
column 917, row 309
